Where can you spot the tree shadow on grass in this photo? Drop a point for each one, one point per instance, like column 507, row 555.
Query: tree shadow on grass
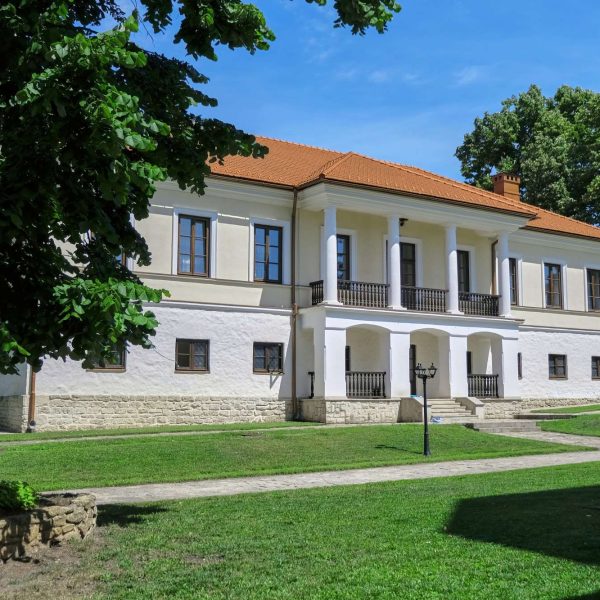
column 125, row 514
column 558, row 523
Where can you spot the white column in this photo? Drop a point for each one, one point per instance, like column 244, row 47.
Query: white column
column 503, row 274
column 451, row 270
column 394, row 264
column 504, row 364
column 330, row 274
column 452, row 369
column 399, row 379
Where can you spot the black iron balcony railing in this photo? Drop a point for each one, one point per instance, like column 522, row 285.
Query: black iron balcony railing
column 485, row 305
column 365, row 384
column 483, row 386
column 354, row 293
column 425, row 299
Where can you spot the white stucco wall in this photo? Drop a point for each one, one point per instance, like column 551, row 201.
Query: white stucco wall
column 535, row 345
column 152, row 372
column 15, row 385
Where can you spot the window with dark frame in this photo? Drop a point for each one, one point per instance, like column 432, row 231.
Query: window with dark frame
column 408, row 264
column 595, row 367
column 114, row 362
column 557, row 366
column 519, row 365
column 268, row 252
column 514, row 281
column 464, row 271
column 553, row 285
column 267, row 357
column 593, row 285
column 343, row 257
column 193, row 254
column 192, row 355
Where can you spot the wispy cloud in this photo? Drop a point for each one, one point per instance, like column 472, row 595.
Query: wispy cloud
column 380, row 76
column 469, row 75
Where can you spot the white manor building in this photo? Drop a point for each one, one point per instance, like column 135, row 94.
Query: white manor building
column 308, row 284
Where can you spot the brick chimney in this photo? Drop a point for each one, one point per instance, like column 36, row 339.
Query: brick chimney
column 507, row 184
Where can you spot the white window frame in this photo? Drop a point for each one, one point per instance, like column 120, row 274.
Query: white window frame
column 563, row 280
column 593, row 267
column 472, row 266
column 212, row 248
column 353, row 251
column 286, row 250
column 519, row 259
column 419, row 262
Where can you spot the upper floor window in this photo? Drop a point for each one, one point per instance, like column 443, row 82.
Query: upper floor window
column 557, row 366
column 268, row 253
column 514, row 281
column 408, row 261
column 115, row 361
column 267, row 357
column 193, row 246
column 464, row 270
column 593, row 289
column 553, row 285
column 343, row 257
column 191, row 355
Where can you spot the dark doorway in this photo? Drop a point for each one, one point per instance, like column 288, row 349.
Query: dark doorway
column 412, row 363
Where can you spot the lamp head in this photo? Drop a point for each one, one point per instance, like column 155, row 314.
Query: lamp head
column 420, row 371
column 432, row 371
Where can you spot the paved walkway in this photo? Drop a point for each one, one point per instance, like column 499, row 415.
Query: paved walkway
column 245, row 485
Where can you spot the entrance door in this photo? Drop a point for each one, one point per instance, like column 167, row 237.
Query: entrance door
column 412, row 363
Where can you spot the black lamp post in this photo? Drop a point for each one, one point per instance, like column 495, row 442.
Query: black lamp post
column 424, row 374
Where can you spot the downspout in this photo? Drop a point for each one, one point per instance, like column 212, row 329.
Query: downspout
column 295, row 407
column 494, row 286
column 31, row 409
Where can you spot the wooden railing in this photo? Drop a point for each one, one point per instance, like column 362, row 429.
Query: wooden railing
column 365, row 384
column 425, row 299
column 483, row 386
column 354, row 293
column 478, row 304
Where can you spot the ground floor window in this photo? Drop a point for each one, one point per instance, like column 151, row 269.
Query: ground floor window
column 557, row 366
column 115, row 361
column 191, row 355
column 267, row 357
column 595, row 367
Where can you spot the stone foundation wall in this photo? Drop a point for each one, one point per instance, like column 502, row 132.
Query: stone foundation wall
column 64, row 412
column 13, row 413
column 506, row 409
column 59, row 518
column 350, row 411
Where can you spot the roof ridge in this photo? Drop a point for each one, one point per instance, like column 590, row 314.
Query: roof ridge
column 322, row 170
column 457, row 184
column 273, row 139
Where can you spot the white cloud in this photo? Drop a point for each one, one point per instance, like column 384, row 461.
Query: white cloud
column 470, row 74
column 379, row 76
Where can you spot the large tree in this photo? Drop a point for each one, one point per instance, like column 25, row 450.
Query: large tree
column 552, row 143
column 89, row 122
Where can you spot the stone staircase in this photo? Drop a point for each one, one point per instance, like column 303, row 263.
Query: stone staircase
column 506, row 426
column 450, row 410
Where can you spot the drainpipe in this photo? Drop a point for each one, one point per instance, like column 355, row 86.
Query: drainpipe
column 494, row 286
column 31, row 410
column 295, row 407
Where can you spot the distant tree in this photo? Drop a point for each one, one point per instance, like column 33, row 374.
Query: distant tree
column 89, row 122
column 552, row 143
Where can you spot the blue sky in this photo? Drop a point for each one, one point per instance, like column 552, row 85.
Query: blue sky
column 411, row 94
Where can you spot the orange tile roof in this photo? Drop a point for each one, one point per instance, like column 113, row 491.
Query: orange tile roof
column 295, row 165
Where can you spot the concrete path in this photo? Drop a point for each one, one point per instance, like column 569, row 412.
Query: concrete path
column 245, row 485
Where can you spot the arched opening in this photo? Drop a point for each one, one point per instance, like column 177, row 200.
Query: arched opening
column 367, row 362
column 484, row 365
column 429, row 346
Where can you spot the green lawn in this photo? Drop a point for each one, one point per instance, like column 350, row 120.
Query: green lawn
column 582, row 425
column 521, row 535
column 57, row 435
column 569, row 409
column 142, row 459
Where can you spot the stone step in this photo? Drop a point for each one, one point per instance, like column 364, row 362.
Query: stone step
column 451, row 412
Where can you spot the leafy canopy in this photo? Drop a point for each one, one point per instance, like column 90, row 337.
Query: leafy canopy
column 89, row 122
column 552, row 143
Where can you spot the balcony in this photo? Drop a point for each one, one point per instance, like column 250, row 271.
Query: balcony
column 483, row 386
column 355, row 293
column 424, row 299
column 365, row 384
column 485, row 305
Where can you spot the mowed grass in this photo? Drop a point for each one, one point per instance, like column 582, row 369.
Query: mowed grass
column 58, row 465
column 58, row 435
column 569, row 410
column 526, row 535
column 582, row 425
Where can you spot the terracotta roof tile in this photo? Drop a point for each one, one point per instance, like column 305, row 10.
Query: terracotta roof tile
column 297, row 165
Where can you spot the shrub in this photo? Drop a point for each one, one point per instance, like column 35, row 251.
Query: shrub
column 16, row 496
